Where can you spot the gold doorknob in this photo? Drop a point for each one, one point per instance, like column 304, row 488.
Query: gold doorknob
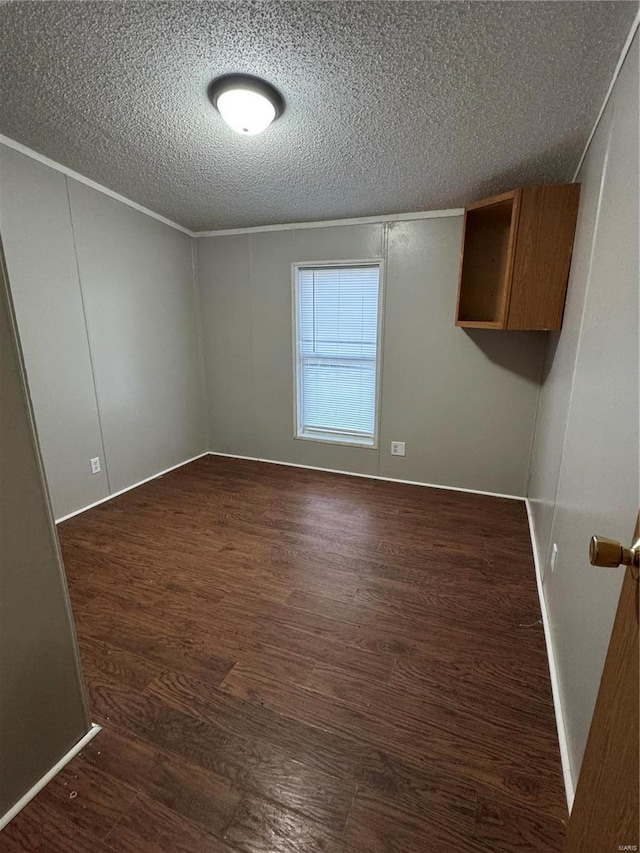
column 610, row 554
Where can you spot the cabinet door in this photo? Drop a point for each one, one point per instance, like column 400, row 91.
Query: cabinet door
column 544, row 242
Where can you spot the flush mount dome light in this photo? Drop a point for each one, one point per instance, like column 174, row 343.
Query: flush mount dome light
column 247, row 104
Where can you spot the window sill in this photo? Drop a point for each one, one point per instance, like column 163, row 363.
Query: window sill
column 343, row 440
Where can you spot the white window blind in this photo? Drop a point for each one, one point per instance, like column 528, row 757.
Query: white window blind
column 337, row 351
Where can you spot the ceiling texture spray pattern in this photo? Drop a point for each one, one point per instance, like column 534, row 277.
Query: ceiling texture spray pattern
column 390, row 106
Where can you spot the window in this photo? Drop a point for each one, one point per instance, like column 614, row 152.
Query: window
column 337, row 310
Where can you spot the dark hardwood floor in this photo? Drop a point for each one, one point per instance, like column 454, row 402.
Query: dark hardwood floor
column 288, row 661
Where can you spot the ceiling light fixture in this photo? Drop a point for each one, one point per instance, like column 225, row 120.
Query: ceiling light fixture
column 247, row 104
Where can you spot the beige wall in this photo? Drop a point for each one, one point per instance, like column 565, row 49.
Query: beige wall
column 463, row 402
column 42, row 706
column 585, row 471
column 105, row 302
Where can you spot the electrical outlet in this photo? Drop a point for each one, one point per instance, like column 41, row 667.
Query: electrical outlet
column 95, row 465
column 398, row 448
column 554, row 557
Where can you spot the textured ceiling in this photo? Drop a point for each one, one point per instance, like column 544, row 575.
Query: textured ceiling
column 390, row 106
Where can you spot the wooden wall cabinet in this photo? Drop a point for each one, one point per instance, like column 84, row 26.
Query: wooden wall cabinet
column 516, row 252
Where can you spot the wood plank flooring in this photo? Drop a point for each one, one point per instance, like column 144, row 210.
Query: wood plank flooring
column 289, row 661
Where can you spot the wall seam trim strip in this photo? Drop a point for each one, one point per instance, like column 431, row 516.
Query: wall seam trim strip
column 558, row 707
column 384, row 248
column 129, row 488
column 49, row 775
column 87, row 335
column 536, row 415
column 70, row 173
column 253, row 397
column 623, row 55
column 200, row 334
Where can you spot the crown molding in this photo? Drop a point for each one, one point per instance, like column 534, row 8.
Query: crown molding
column 332, row 223
column 616, row 73
column 52, row 164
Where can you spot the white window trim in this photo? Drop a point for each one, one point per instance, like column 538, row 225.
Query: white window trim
column 340, row 439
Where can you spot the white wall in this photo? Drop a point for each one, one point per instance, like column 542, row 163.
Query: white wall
column 106, row 307
column 463, row 402
column 585, row 471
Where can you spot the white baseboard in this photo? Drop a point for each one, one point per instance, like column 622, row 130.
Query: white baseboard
column 128, row 488
column 290, row 465
column 48, row 776
column 369, row 476
column 553, row 670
